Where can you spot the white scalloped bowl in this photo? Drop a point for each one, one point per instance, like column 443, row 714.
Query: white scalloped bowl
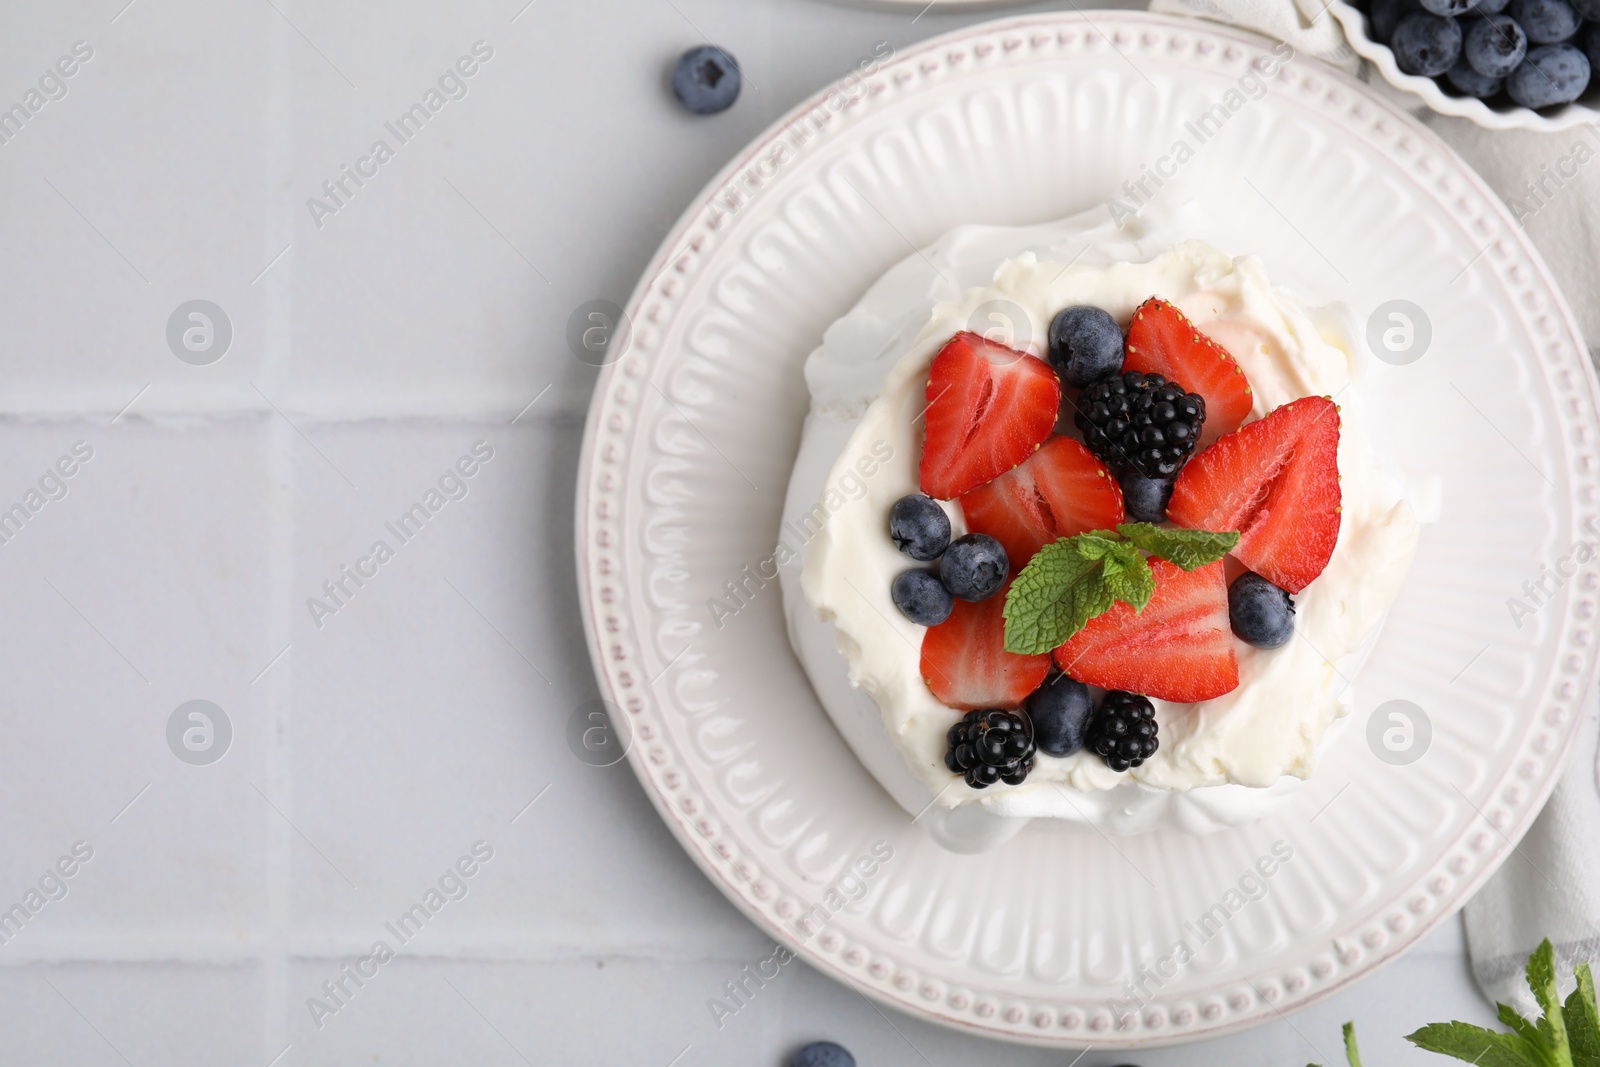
column 1464, row 107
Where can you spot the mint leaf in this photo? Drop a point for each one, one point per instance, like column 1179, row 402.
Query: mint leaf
column 1128, row 577
column 1583, row 1021
column 1097, row 544
column 1068, row 583
column 1530, row 1033
column 1486, row 1048
column 1542, row 980
column 1059, row 590
column 1351, row 1053
column 1186, row 548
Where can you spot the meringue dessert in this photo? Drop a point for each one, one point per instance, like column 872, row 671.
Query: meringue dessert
column 1092, row 527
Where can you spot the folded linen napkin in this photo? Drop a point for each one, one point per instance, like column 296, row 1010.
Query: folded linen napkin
column 1305, row 24
column 1549, row 887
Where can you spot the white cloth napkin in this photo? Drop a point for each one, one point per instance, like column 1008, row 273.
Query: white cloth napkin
column 1550, row 886
column 1303, row 23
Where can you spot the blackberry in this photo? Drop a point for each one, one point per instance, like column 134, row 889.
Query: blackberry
column 989, row 746
column 1123, row 730
column 1140, row 423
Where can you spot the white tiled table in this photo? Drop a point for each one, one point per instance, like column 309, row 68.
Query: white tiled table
column 371, row 752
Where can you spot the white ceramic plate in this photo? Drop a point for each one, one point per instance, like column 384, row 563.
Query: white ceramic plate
column 693, row 431
column 1503, row 116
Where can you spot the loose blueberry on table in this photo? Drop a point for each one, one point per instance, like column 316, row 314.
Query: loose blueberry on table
column 706, row 80
column 823, row 1054
column 1136, row 518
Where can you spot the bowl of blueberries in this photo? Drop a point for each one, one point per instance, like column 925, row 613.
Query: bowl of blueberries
column 1501, row 63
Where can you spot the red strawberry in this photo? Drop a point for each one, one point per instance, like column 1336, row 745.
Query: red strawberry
column 1060, row 490
column 1276, row 481
column 1162, row 340
column 965, row 663
column 1178, row 648
column 989, row 407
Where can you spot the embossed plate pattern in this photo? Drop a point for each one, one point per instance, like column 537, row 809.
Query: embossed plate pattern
column 694, row 428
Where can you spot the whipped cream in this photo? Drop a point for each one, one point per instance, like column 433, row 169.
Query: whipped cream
column 1221, row 762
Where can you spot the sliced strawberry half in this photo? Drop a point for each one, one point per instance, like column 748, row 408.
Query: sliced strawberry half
column 1276, row 481
column 966, row 665
column 989, row 407
column 1178, row 648
column 1162, row 340
column 1060, row 490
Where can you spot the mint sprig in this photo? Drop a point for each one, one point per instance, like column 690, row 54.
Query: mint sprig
column 1564, row 1036
column 1476, row 1044
column 1583, row 1021
column 1068, row 583
column 1077, row 578
column 1186, row 548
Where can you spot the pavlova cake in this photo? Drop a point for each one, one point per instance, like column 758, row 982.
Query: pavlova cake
column 1101, row 537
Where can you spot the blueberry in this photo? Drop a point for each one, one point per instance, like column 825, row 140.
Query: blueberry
column 1386, row 14
column 1260, row 613
column 1589, row 9
column 921, row 597
column 919, row 527
column 1145, row 498
column 1426, row 44
column 1470, row 83
column 823, row 1054
column 1485, row 8
column 1545, row 21
column 974, row 567
column 1085, row 345
column 1492, row 47
column 1591, row 45
column 706, row 80
column 1552, row 74
column 1060, row 711
column 1447, row 8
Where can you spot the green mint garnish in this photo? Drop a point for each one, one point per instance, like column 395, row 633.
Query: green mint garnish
column 1565, row 1036
column 1068, row 583
column 1186, row 548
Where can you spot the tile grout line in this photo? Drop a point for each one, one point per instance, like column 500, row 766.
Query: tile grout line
column 278, row 766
